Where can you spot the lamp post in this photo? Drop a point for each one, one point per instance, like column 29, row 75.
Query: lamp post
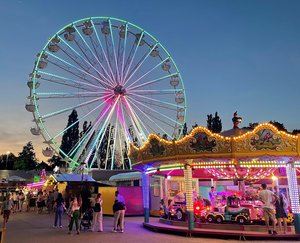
column 7, row 153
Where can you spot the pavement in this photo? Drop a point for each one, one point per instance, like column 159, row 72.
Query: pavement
column 31, row 227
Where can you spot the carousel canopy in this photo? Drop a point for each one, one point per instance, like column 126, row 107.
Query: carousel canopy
column 265, row 146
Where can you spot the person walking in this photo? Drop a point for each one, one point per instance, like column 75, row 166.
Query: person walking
column 75, row 214
column 40, row 202
column 116, row 207
column 15, row 202
column 59, row 206
column 268, row 198
column 50, row 203
column 21, row 201
column 6, row 208
column 281, row 210
column 98, row 214
column 120, row 212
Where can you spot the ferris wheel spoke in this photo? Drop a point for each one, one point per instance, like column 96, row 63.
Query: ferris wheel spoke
column 73, row 66
column 149, row 82
column 99, row 142
column 156, row 105
column 102, row 76
column 72, row 107
column 156, row 112
column 131, row 111
column 154, row 92
column 124, row 53
column 98, row 58
column 101, row 131
column 114, row 144
column 148, row 115
column 158, row 101
column 65, row 79
column 113, row 46
column 139, row 64
column 88, row 58
column 86, row 139
column 80, row 119
column 103, row 51
column 145, row 74
column 64, row 83
column 137, row 45
column 123, row 122
column 49, row 95
column 66, row 69
column 135, row 121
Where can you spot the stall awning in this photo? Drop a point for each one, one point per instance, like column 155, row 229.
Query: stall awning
column 72, row 178
column 16, row 178
column 130, row 176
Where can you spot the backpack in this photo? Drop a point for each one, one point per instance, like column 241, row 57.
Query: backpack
column 97, row 207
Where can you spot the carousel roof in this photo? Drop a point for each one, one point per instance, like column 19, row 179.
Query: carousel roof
column 234, row 132
column 265, row 146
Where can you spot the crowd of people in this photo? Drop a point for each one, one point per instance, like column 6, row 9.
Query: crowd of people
column 88, row 217
column 270, row 201
column 274, row 207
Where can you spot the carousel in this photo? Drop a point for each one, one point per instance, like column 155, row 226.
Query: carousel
column 247, row 156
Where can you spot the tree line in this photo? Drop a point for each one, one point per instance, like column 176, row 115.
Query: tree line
column 26, row 159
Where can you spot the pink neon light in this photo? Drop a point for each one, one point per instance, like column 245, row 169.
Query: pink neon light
column 36, row 184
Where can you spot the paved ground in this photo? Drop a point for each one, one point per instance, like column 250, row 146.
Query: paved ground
column 37, row 228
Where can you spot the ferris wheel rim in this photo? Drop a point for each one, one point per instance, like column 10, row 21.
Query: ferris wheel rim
column 36, row 70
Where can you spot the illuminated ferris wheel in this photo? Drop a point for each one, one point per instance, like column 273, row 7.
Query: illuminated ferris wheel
column 119, row 80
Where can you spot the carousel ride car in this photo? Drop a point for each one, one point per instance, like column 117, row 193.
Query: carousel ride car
column 232, row 212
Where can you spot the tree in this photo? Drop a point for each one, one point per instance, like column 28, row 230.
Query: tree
column 214, row 124
column 7, row 161
column 55, row 161
column 44, row 166
column 279, row 126
column 26, row 159
column 296, row 131
column 209, row 122
column 71, row 135
column 251, row 125
column 184, row 130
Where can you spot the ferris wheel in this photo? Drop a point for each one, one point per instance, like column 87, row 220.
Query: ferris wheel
column 116, row 79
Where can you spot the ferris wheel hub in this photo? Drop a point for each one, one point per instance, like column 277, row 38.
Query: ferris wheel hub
column 119, row 90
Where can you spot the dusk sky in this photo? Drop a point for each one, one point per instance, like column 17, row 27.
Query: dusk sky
column 233, row 55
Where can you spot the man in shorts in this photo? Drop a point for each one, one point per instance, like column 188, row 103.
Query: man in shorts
column 268, row 198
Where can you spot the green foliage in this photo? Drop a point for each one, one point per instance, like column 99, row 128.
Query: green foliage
column 214, row 124
column 7, row 161
column 279, row 126
column 71, row 135
column 296, row 131
column 26, row 159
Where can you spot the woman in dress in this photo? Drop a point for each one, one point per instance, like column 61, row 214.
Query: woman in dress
column 281, row 205
column 98, row 216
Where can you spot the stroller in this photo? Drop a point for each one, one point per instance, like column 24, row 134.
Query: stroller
column 86, row 220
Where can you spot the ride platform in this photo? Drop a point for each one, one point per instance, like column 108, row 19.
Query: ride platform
column 221, row 231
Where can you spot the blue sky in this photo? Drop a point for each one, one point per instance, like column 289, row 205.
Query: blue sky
column 233, row 55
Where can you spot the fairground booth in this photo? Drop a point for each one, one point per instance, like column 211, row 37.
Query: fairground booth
column 235, row 162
